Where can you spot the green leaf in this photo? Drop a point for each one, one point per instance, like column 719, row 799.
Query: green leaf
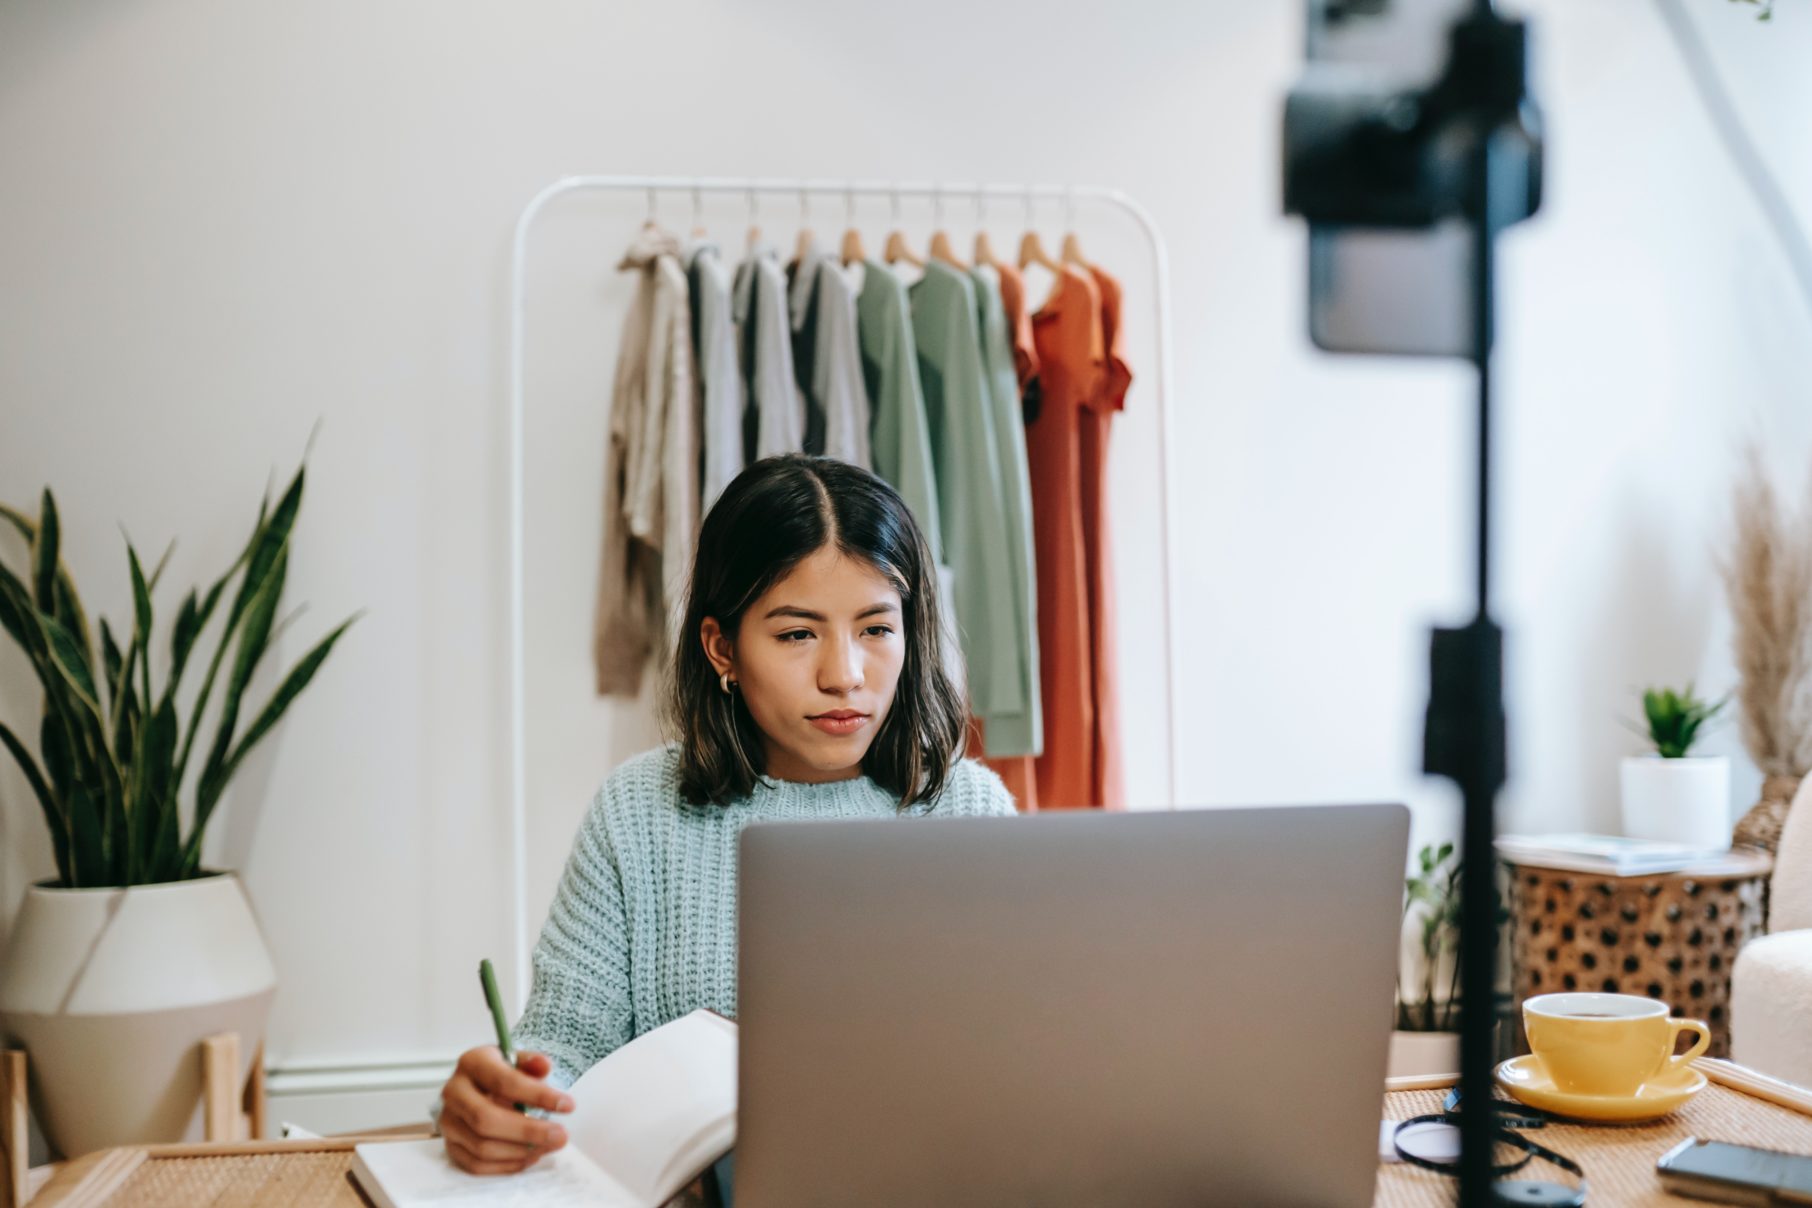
column 226, row 637
column 69, row 611
column 182, row 637
column 157, row 572
column 1676, row 718
column 112, row 661
column 115, row 794
column 54, row 746
column 90, row 863
column 69, row 661
column 268, row 545
column 286, row 692
column 54, row 820
column 141, row 629
column 44, row 556
column 68, row 600
column 16, row 611
column 166, row 853
column 252, row 643
column 154, row 796
column 13, row 516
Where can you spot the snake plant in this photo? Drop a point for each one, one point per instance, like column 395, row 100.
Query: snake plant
column 114, row 749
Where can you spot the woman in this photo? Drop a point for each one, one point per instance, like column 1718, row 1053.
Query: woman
column 808, row 682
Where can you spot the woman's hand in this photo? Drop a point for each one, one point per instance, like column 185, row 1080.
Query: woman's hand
column 485, row 1134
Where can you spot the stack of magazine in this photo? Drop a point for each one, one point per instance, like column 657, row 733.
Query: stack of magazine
column 1613, row 855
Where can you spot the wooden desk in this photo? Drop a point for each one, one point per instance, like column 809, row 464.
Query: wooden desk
column 1619, row 1162
column 1618, row 1159
column 244, row 1174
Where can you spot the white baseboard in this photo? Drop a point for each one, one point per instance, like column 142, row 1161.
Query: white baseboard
column 336, row 1096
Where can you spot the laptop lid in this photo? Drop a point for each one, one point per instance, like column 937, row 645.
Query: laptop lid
column 1153, row 1009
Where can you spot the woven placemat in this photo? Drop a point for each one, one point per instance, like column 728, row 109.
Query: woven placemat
column 1619, row 1159
column 277, row 1180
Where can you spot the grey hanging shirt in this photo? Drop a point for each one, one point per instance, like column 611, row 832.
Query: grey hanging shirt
column 719, row 371
column 827, row 358
column 776, row 407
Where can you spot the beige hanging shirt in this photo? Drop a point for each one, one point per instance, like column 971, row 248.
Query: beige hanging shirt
column 650, row 471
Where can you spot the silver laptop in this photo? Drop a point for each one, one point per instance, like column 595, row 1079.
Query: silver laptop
column 1123, row 1009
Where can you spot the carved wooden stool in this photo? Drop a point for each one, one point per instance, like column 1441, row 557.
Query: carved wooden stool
column 1671, row 936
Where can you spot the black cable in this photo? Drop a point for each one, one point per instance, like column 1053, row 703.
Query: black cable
column 1769, row 196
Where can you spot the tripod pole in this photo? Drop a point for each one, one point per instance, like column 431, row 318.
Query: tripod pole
column 1466, row 743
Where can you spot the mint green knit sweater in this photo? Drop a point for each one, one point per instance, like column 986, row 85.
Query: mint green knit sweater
column 643, row 926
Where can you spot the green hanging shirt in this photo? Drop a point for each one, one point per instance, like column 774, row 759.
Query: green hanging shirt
column 1021, row 733
column 970, row 490
column 899, row 441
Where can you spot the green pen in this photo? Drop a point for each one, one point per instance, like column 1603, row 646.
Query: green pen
column 488, row 979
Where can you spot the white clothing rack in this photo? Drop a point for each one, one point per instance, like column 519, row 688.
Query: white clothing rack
column 697, row 186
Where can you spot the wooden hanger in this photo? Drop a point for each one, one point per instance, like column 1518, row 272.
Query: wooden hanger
column 1031, row 247
column 1031, row 251
column 984, row 247
column 754, row 222
column 1072, row 246
column 852, row 251
column 897, row 249
column 941, row 247
column 698, row 213
column 803, row 247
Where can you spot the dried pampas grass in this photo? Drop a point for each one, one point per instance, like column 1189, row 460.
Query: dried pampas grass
column 1769, row 583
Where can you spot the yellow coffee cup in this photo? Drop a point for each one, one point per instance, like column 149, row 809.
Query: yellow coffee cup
column 1606, row 1044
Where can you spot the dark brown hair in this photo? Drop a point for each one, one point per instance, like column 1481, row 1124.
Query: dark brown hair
column 777, row 513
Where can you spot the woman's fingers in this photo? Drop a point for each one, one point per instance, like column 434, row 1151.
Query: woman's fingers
column 486, row 1068
column 463, row 1156
column 486, row 1118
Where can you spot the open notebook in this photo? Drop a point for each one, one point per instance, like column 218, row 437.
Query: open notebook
column 646, row 1121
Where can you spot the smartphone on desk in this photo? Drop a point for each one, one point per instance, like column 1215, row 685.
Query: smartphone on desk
column 1735, row 1174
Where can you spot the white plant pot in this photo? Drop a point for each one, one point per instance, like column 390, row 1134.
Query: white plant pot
column 1424, row 1054
column 110, row 991
column 1677, row 800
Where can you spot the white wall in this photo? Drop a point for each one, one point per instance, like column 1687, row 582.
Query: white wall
column 220, row 223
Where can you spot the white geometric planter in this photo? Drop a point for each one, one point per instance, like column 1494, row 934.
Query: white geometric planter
column 1423, row 1054
column 110, row 991
column 1677, row 800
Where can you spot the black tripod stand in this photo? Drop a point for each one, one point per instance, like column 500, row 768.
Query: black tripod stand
column 1463, row 148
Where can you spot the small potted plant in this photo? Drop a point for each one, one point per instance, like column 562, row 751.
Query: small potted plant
column 136, row 951
column 1670, row 794
column 1426, row 1040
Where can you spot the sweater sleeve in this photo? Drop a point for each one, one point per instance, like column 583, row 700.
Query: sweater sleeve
column 579, row 1002
column 974, row 791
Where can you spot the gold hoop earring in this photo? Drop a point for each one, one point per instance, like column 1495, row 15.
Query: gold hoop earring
column 726, row 683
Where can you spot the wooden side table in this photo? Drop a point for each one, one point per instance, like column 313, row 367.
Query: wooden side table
column 1670, row 936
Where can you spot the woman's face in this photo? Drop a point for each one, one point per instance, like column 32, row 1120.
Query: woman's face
column 816, row 662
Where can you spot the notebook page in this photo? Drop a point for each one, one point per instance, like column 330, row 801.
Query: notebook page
column 662, row 1107
column 418, row 1174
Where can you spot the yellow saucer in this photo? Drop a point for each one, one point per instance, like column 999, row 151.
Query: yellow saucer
column 1527, row 1080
